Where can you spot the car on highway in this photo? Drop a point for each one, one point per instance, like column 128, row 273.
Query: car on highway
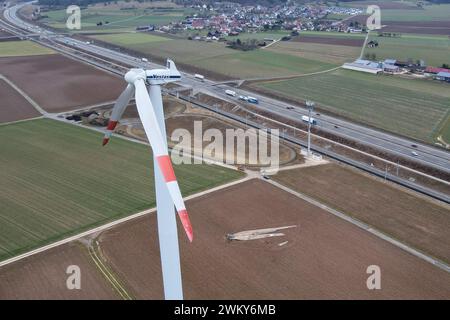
column 415, row 154
column 199, row 77
column 252, row 100
column 243, row 98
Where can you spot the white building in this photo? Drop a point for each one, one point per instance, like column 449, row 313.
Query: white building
column 363, row 66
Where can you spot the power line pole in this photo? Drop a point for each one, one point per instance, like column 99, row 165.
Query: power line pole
column 310, row 105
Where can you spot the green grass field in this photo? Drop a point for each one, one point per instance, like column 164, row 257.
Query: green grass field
column 57, row 180
column 130, row 39
column 413, row 108
column 325, row 53
column 434, row 50
column 117, row 19
column 261, row 64
column 22, row 48
column 435, row 12
column 216, row 57
column 429, row 13
column 444, row 130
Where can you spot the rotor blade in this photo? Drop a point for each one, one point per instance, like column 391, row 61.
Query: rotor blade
column 160, row 152
column 117, row 111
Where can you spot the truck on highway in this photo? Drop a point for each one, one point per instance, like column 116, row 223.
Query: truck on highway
column 307, row 119
column 199, row 77
column 230, row 93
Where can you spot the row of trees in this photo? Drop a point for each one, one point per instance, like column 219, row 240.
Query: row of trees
column 245, row 45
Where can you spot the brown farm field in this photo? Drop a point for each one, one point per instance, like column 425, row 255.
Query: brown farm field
column 420, row 27
column 325, row 257
column 13, row 106
column 43, row 276
column 422, row 223
column 57, row 83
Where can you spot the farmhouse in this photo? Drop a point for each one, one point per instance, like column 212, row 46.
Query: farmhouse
column 443, row 76
column 363, row 66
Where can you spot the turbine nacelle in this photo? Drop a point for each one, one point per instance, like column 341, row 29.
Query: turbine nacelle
column 154, row 76
column 135, row 74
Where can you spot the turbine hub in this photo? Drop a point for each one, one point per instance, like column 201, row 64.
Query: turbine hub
column 135, row 74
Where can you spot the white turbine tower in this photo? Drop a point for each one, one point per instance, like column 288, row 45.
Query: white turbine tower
column 168, row 195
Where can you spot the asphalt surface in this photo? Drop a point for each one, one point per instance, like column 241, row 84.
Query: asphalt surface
column 395, row 145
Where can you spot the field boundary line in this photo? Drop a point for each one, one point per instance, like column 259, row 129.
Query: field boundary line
column 23, row 94
column 111, row 224
column 22, row 120
column 272, row 43
column 436, row 262
column 364, row 45
column 284, row 78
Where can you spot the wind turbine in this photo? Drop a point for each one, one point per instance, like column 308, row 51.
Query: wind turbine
column 150, row 108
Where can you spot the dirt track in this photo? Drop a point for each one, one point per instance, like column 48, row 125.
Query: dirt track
column 331, row 40
column 13, row 106
column 43, row 276
column 325, row 257
column 58, row 83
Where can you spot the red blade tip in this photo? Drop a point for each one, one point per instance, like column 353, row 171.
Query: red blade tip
column 105, row 141
column 186, row 224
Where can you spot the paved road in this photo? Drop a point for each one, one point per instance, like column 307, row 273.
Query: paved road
column 396, row 145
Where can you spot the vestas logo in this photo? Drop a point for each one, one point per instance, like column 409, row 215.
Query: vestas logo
column 162, row 76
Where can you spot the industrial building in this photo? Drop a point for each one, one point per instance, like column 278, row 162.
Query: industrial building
column 363, row 66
